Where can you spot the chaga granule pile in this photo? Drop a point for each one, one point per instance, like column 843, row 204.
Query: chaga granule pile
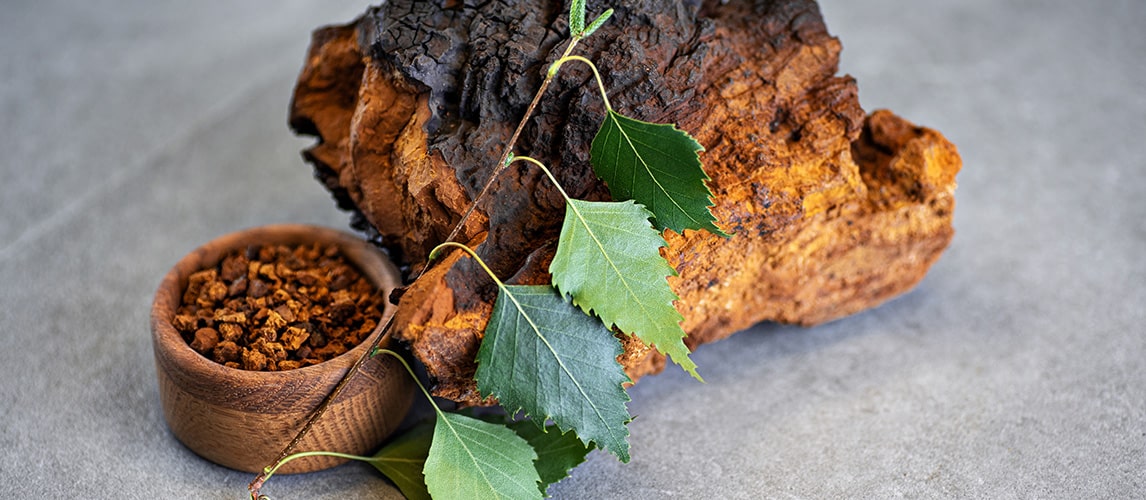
column 277, row 308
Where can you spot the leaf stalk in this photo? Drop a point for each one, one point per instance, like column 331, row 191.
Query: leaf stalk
column 270, row 470
column 596, row 74
column 434, row 253
column 543, row 168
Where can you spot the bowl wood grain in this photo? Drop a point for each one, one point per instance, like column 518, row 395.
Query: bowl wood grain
column 242, row 419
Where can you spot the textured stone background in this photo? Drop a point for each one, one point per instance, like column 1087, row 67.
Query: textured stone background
column 132, row 132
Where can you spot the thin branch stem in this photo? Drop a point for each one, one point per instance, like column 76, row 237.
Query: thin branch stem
column 270, row 470
column 318, row 412
column 501, row 165
column 596, row 74
column 502, row 162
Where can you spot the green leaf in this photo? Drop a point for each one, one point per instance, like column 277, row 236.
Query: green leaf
column 576, row 18
column 557, row 453
column 657, row 166
column 470, row 458
column 593, row 26
column 542, row 355
column 403, row 459
column 608, row 259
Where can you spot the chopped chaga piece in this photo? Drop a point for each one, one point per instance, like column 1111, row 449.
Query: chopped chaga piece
column 253, row 311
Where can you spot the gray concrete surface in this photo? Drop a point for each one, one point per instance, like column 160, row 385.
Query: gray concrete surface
column 133, row 131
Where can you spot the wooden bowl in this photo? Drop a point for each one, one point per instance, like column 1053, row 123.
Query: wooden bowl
column 243, row 419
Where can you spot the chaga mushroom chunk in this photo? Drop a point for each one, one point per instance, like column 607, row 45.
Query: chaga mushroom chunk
column 832, row 211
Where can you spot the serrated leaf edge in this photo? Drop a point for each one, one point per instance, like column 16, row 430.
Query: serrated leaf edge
column 457, row 437
column 697, row 149
column 687, row 364
column 623, row 455
column 582, row 446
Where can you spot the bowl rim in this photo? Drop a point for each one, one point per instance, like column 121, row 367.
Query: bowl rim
column 169, row 344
